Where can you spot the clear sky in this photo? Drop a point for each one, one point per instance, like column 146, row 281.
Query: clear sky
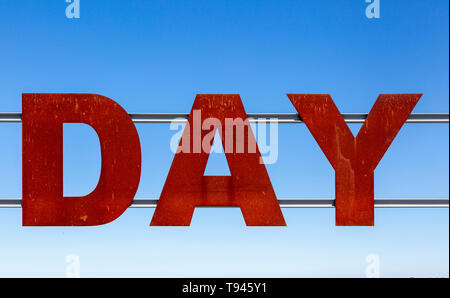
column 155, row 56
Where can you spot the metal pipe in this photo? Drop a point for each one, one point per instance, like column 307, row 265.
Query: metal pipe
column 290, row 203
column 253, row 118
column 280, row 118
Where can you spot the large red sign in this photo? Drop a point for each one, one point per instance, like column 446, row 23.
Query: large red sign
column 354, row 159
column 248, row 187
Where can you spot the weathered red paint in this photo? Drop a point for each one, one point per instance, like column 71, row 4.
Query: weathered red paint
column 43, row 116
column 186, row 187
column 248, row 187
column 354, row 159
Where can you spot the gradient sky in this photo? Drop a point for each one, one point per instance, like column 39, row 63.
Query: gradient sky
column 155, row 56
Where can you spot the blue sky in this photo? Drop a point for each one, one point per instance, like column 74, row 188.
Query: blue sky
column 155, row 56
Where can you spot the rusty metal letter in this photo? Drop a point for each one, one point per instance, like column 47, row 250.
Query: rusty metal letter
column 354, row 159
column 43, row 201
column 248, row 187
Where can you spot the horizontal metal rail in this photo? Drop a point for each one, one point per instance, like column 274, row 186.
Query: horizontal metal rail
column 280, row 118
column 290, row 203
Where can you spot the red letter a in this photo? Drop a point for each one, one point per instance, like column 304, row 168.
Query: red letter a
column 249, row 185
column 354, row 159
column 43, row 116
